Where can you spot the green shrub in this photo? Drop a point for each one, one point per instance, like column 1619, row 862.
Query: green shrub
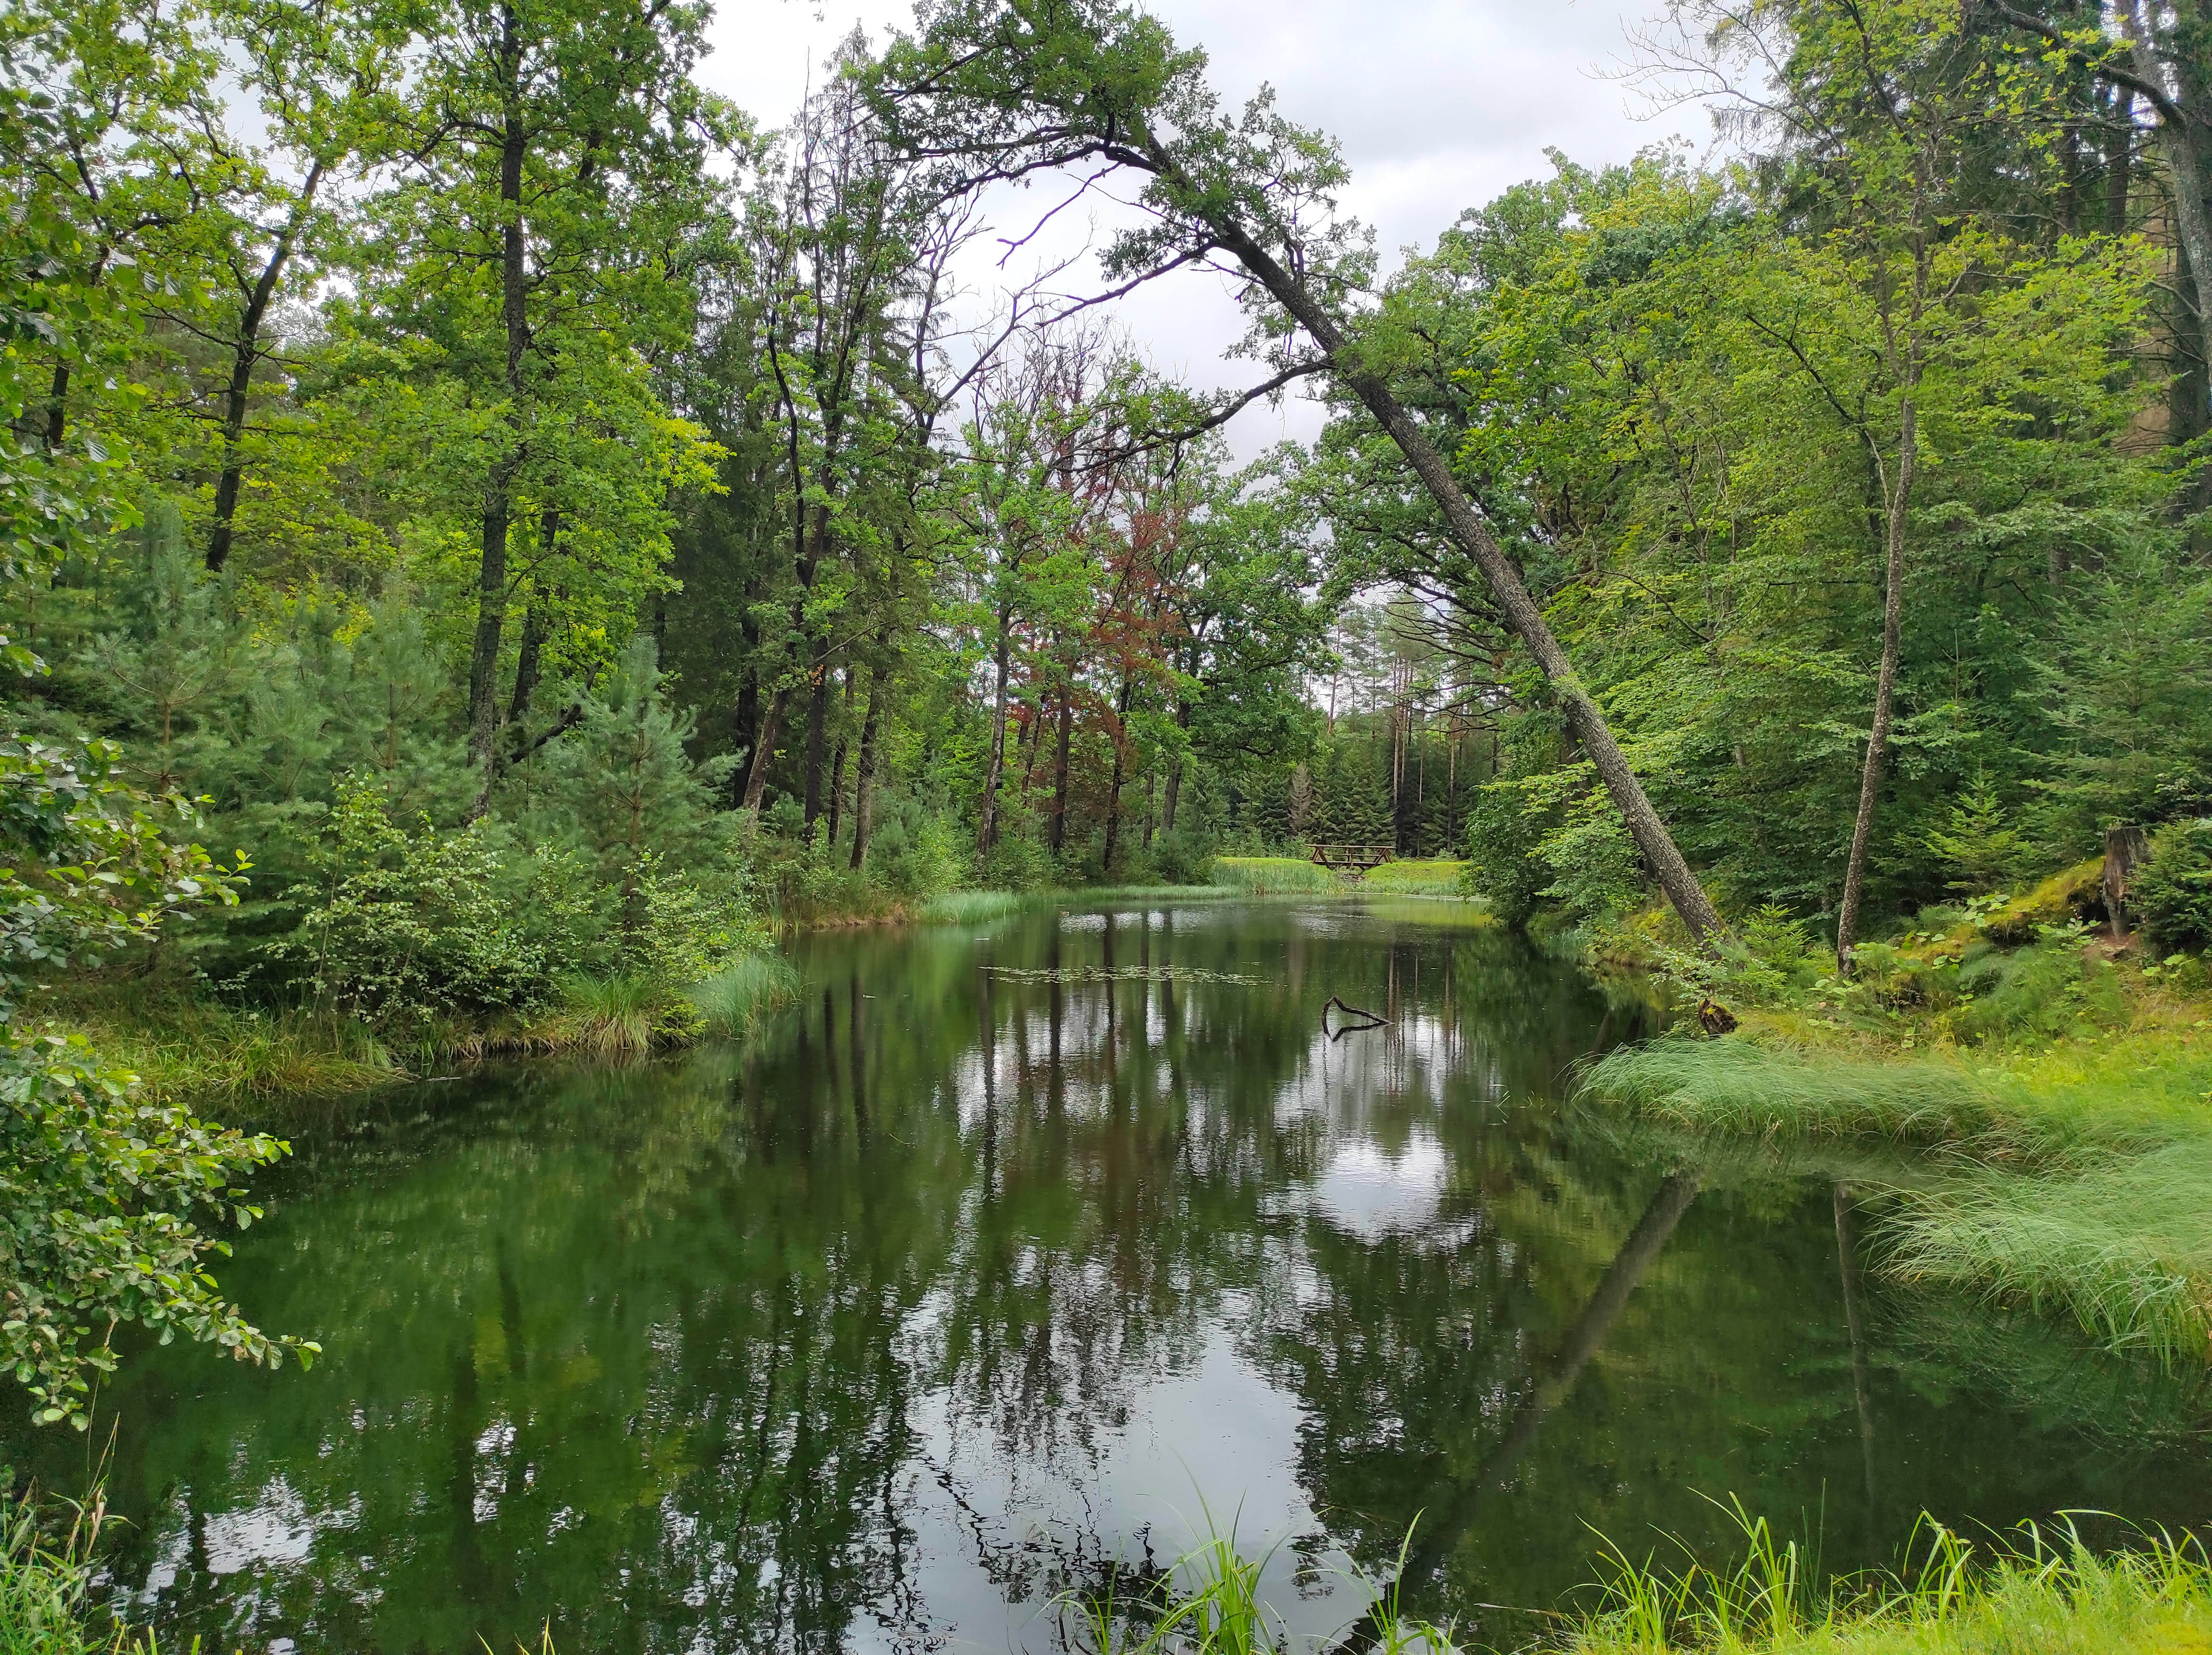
column 2172, row 895
column 1019, row 862
column 404, row 927
column 1182, row 857
column 1503, row 862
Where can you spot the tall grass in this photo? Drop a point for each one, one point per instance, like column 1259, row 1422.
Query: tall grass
column 2039, row 1592
column 45, row 1585
column 2124, row 1244
column 1415, row 877
column 1737, row 1086
column 1277, row 876
column 735, row 998
column 973, row 907
column 181, row 1048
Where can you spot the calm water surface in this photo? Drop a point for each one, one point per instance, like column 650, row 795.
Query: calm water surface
column 1013, row 1251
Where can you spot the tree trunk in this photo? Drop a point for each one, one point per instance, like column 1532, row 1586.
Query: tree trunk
column 988, row 829
column 864, row 782
column 1522, row 615
column 1175, row 772
column 2185, row 179
column 837, row 758
column 498, row 499
column 763, row 749
column 1121, row 771
column 2119, row 161
column 1885, row 690
column 2126, row 849
column 243, row 360
column 817, row 734
column 1060, row 769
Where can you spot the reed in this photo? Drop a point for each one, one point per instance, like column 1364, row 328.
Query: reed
column 46, row 1589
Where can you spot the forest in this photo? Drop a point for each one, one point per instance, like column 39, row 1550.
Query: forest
column 495, row 535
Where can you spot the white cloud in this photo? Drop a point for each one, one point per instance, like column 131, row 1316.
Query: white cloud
column 1439, row 105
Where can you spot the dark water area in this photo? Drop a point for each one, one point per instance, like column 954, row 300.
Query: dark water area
column 1014, row 1250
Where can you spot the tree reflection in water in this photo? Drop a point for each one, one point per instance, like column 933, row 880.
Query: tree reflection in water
column 963, row 1285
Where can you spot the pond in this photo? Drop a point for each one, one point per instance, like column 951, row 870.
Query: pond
column 1017, row 1252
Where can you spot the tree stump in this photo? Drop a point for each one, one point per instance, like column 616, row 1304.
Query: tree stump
column 2126, row 849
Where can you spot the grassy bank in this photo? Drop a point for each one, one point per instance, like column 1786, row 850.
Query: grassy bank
column 2068, row 1081
column 181, row 1046
column 2033, row 1590
column 2036, row 1591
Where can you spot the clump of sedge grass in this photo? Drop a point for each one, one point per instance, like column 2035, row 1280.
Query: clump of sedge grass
column 1735, row 1086
column 2038, row 1590
column 735, row 998
column 973, row 907
column 2123, row 1243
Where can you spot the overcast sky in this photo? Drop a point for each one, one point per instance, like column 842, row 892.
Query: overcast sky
column 1439, row 105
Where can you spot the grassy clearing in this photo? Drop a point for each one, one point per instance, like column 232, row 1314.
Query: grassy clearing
column 2046, row 1592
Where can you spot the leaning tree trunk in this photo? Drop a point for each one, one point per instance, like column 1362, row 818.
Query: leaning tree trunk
column 1523, row 617
column 1885, row 693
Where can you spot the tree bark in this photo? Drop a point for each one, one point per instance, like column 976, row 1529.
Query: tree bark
column 2186, row 178
column 763, row 749
column 864, row 782
column 1877, row 753
column 1522, row 615
column 1059, row 767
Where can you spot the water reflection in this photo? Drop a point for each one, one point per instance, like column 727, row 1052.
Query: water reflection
column 967, row 1282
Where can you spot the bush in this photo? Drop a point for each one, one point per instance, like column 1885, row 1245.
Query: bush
column 1182, row 857
column 408, row 927
column 1019, row 862
column 2172, row 896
